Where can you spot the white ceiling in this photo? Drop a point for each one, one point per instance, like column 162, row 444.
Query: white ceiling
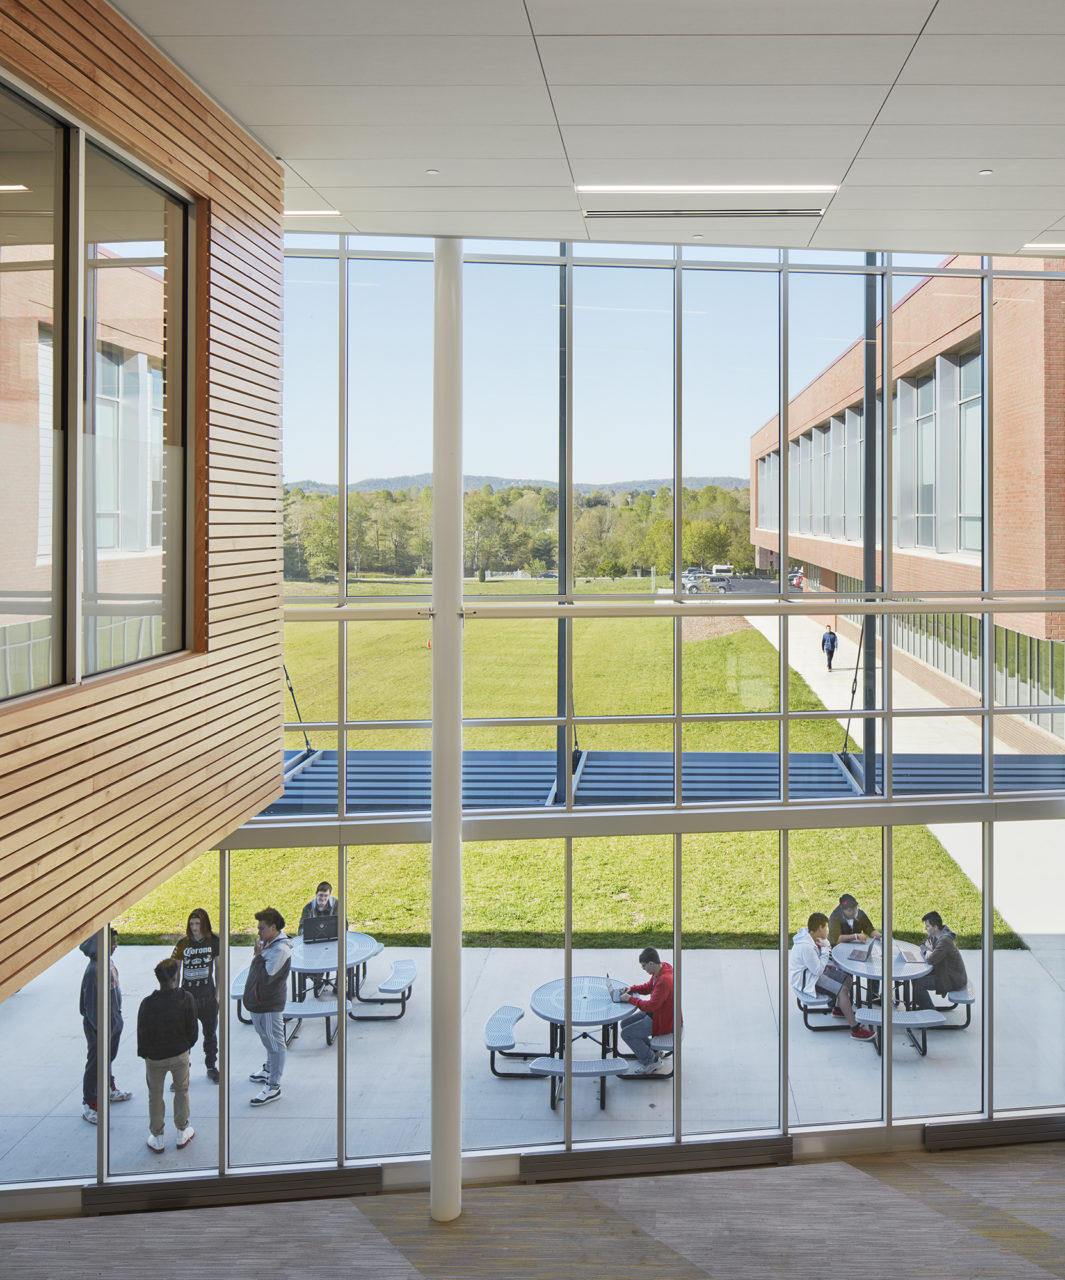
column 514, row 102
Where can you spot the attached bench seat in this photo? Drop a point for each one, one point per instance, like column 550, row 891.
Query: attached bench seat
column 396, row 989
column 909, row 1020
column 236, row 992
column 297, row 1010
column 499, row 1039
column 964, row 996
column 820, row 1004
column 580, row 1068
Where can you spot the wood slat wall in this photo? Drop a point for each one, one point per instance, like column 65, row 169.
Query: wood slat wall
column 106, row 790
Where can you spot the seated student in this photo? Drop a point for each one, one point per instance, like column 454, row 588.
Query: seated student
column 654, row 1016
column 809, row 965
column 322, row 904
column 948, row 968
column 849, row 923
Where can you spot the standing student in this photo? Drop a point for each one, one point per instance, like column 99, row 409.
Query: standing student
column 265, row 998
column 87, row 1008
column 166, row 1031
column 197, row 953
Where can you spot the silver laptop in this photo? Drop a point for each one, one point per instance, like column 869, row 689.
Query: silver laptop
column 615, row 990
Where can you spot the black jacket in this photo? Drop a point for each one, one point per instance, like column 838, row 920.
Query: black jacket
column 166, row 1024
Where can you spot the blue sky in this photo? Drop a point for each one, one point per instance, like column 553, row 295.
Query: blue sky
column 623, row 366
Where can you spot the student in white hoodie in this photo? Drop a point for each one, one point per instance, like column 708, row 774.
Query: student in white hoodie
column 810, row 957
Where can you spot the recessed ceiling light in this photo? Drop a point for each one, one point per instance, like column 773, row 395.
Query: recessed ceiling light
column 719, row 189
column 697, row 236
column 312, row 213
column 13, row 186
column 432, row 171
column 986, row 173
column 703, row 213
column 1037, row 248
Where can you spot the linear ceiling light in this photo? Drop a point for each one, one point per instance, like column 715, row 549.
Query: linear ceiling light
column 312, row 213
column 703, row 213
column 1037, row 248
column 14, row 186
column 717, row 189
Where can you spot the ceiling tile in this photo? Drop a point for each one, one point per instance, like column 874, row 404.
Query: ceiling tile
column 989, row 196
column 351, row 200
column 161, row 18
column 723, row 60
column 723, row 17
column 394, row 141
column 742, row 169
column 997, row 59
column 405, row 105
column 522, row 226
column 1034, row 141
column 993, row 17
column 832, row 142
column 717, row 105
column 490, row 171
column 974, row 104
column 950, row 172
column 356, row 60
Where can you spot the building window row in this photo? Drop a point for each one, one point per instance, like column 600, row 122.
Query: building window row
column 114, row 594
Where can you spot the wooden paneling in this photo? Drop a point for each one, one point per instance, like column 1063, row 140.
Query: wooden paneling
column 109, row 788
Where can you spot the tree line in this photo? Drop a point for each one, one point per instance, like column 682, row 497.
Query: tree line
column 515, row 529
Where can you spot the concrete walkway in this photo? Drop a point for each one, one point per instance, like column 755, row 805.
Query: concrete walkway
column 1029, row 866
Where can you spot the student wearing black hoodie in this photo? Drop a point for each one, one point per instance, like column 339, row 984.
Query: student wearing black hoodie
column 166, row 1031
column 87, row 1009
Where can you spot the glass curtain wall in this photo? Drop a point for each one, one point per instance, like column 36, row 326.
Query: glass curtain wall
column 712, row 710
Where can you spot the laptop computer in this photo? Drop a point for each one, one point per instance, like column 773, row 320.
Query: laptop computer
column 615, row 990
column 321, row 928
column 864, row 953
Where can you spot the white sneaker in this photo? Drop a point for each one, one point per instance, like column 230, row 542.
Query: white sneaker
column 645, row 1069
column 185, row 1137
column 89, row 1113
column 120, row 1095
column 155, row 1141
column 262, row 1076
column 268, row 1093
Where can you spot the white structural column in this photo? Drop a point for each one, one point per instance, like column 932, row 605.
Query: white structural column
column 445, row 1187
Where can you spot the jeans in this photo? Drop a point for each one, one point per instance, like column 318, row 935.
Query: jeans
column 270, row 1028
column 636, row 1032
column 207, row 1013
column 155, row 1072
column 88, row 1084
column 922, row 989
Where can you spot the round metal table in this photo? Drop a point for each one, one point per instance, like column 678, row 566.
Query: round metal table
column 591, row 1007
column 906, row 965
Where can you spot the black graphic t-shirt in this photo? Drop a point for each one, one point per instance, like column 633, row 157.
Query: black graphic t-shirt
column 197, row 959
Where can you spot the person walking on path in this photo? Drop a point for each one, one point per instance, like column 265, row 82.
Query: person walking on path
column 264, row 999
column 829, row 643
column 87, row 1009
column 167, row 1028
column 197, row 953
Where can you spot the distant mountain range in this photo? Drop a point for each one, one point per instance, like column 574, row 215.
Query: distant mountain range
column 501, row 482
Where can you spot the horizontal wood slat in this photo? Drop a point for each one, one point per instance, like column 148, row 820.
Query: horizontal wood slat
column 108, row 788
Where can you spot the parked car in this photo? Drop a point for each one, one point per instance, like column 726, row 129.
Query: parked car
column 795, row 578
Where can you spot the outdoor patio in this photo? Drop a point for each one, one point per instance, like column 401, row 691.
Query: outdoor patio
column 730, row 1053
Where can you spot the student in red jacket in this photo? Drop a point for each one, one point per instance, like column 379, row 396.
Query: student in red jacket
column 655, row 1016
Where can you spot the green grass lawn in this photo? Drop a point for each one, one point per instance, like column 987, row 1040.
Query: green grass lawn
column 622, row 886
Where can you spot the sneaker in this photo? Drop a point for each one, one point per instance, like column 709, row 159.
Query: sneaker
column 120, row 1095
column 184, row 1137
column 155, row 1141
column 88, row 1112
column 838, row 1013
column 268, row 1093
column 862, row 1033
column 262, row 1076
column 645, row 1069
column 212, row 1074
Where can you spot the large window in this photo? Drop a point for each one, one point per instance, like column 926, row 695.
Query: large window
column 114, row 593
